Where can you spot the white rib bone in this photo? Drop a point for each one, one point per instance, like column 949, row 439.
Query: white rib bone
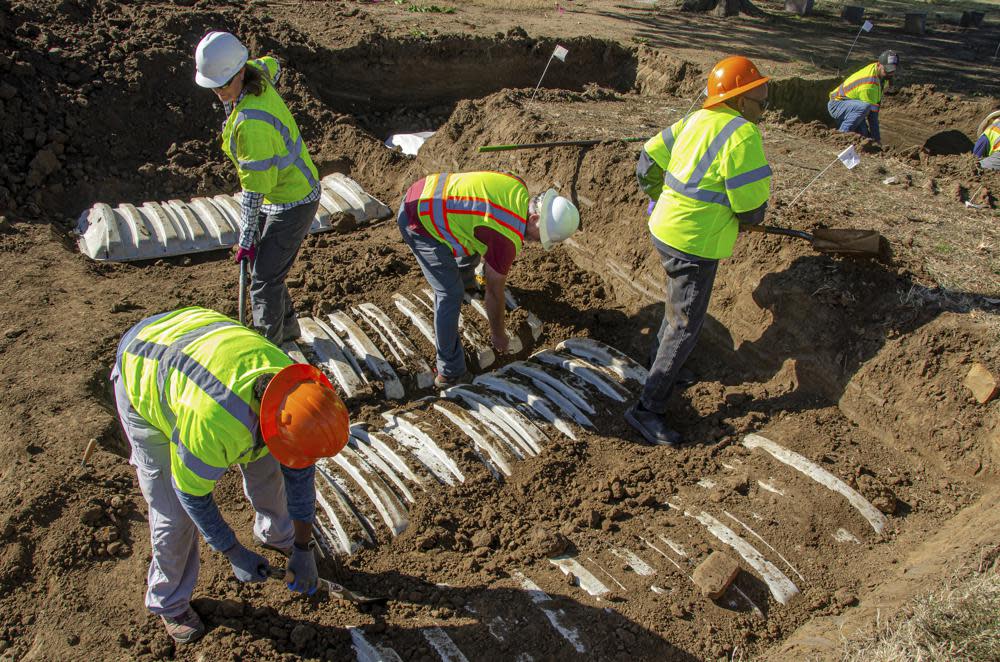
column 518, row 391
column 423, row 448
column 366, row 350
column 874, row 516
column 407, row 307
column 398, row 343
column 382, row 450
column 587, row 373
column 540, row 374
column 780, row 585
column 609, row 357
column 585, row 578
column 540, row 597
column 522, row 430
column 496, row 463
column 331, row 355
column 477, row 304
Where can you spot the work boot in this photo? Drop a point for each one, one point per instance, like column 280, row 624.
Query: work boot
column 284, row 551
column 652, row 426
column 184, row 628
column 443, row 381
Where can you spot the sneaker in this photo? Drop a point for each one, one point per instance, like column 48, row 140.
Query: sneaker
column 284, row 551
column 185, row 627
column 443, row 381
column 652, row 426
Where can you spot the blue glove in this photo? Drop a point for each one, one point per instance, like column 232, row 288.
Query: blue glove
column 247, row 566
column 302, row 567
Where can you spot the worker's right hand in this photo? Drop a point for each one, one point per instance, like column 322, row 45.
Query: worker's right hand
column 245, row 254
column 501, row 342
column 247, row 566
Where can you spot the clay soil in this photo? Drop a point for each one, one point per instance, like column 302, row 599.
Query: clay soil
column 857, row 365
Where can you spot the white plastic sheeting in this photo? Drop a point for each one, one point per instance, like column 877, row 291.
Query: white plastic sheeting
column 164, row 229
column 409, row 143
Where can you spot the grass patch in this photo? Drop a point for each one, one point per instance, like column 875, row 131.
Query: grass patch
column 959, row 623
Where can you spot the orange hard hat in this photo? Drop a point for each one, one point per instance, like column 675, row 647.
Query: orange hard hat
column 730, row 78
column 301, row 417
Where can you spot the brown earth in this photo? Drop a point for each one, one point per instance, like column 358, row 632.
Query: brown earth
column 856, row 365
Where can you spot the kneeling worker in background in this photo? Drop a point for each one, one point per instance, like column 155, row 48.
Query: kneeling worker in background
column 855, row 103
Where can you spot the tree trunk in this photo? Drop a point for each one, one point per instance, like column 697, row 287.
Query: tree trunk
column 723, row 8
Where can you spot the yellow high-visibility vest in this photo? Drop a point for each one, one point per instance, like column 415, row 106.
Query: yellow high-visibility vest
column 190, row 374
column 863, row 85
column 452, row 205
column 263, row 142
column 713, row 168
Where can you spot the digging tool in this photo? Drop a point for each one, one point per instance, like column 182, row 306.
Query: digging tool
column 332, row 588
column 851, row 243
column 559, row 143
column 243, row 293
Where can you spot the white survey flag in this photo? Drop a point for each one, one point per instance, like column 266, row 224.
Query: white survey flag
column 867, row 26
column 849, row 157
column 560, row 53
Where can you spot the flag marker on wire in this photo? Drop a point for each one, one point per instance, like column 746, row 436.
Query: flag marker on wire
column 560, row 54
column 849, row 157
column 865, row 27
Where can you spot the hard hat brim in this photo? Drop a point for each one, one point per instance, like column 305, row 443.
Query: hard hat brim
column 206, row 82
column 716, row 99
column 273, row 400
column 544, row 212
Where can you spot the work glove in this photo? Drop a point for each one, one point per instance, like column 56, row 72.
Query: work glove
column 245, row 254
column 302, row 568
column 247, row 566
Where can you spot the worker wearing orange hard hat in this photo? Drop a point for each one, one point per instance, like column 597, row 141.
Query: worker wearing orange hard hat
column 197, row 392
column 708, row 174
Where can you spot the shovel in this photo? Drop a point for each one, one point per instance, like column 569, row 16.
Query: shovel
column 332, row 588
column 851, row 243
column 243, row 293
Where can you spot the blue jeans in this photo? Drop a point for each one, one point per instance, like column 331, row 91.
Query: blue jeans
column 446, row 275
column 851, row 114
column 689, row 289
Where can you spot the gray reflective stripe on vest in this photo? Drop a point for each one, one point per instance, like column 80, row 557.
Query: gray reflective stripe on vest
column 172, row 356
column 689, row 189
column 667, row 137
column 749, row 177
column 294, row 147
column 132, row 333
column 195, row 464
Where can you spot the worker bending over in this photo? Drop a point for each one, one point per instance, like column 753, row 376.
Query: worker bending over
column 451, row 222
column 197, row 392
column 707, row 173
column 855, row 103
column 987, row 147
column 278, row 178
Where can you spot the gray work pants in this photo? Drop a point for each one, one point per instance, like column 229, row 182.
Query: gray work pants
column 271, row 303
column 447, row 276
column 173, row 569
column 689, row 288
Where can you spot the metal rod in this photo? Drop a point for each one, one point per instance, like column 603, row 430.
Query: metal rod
column 544, row 71
column 855, row 42
column 558, row 143
column 799, row 194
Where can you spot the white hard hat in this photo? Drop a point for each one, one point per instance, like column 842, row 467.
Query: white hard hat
column 558, row 219
column 219, row 57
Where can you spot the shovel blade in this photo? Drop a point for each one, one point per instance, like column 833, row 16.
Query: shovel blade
column 856, row 243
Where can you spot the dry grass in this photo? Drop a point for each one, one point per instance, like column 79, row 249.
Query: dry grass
column 513, row 4
column 959, row 623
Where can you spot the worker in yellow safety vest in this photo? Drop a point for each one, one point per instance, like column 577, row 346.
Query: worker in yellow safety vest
column 454, row 221
column 278, row 178
column 708, row 174
column 197, row 392
column 987, row 147
column 855, row 103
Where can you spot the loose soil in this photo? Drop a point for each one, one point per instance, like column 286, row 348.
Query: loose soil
column 856, row 365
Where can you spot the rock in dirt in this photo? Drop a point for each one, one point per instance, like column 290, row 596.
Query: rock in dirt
column 546, row 542
column 44, row 164
column 715, row 574
column 483, row 538
column 982, row 383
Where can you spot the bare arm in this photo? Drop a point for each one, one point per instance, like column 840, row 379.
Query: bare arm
column 495, row 307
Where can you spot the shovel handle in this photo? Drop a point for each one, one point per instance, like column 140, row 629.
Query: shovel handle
column 771, row 229
column 243, row 292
